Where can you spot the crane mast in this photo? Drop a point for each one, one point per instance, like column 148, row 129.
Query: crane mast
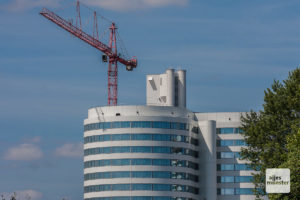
column 109, row 50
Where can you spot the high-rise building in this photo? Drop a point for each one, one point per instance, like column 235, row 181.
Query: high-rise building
column 162, row 151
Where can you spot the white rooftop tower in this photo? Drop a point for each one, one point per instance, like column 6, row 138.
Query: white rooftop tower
column 168, row 89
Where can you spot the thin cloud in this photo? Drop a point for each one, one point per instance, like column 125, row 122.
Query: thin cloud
column 25, row 152
column 116, row 5
column 36, row 140
column 70, row 150
column 129, row 5
column 24, row 194
column 23, row 5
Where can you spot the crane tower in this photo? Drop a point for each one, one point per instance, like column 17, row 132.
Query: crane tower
column 109, row 50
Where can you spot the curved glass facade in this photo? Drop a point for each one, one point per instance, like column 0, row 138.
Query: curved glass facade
column 140, row 198
column 141, row 149
column 129, row 161
column 141, row 161
column 141, row 186
column 144, row 136
column 141, row 124
column 141, row 174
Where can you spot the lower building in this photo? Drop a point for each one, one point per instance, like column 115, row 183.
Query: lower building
column 163, row 151
column 234, row 177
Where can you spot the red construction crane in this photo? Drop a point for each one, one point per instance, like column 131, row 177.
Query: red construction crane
column 109, row 50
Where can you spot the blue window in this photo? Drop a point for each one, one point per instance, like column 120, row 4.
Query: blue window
column 237, row 155
column 226, row 191
column 225, row 179
column 225, row 154
column 141, row 187
column 100, row 125
column 242, row 167
column 105, row 187
column 120, row 162
column 106, row 125
column 120, row 149
column 225, row 130
column 177, row 175
column 141, row 149
column 174, row 125
column 161, row 187
column 225, row 143
column 120, row 187
column 238, row 130
column 237, row 167
column 141, row 174
column 161, row 137
column 183, row 126
column 154, row 137
column 225, row 167
column 229, row 130
column 165, row 125
column 165, row 198
column 161, row 149
column 120, row 174
column 104, row 162
column 179, row 188
column 104, row 150
column 116, row 125
column 119, row 137
column 240, row 143
column 144, row 174
column 115, row 198
column 125, row 124
column 245, row 191
column 178, row 163
column 161, row 174
column 243, row 179
column 149, row 187
column 141, row 124
column 154, row 162
column 228, row 154
column 141, row 198
column 141, row 161
column 105, row 175
column 141, row 136
column 161, row 162
column 104, row 137
column 178, row 150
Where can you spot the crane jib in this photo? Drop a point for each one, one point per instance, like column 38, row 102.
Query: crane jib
column 110, row 51
column 68, row 26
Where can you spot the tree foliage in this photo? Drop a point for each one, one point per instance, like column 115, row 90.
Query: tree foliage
column 271, row 134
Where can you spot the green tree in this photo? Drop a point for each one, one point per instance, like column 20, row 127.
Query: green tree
column 270, row 133
column 293, row 163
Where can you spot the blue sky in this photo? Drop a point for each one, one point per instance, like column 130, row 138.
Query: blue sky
column 232, row 51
